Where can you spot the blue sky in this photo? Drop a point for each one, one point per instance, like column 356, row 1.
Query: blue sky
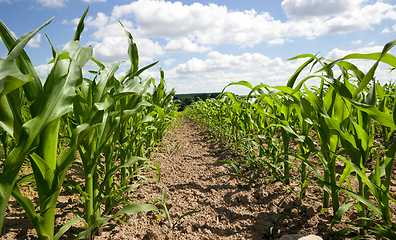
column 204, row 45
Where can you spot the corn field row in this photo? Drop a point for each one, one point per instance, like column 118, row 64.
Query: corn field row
column 112, row 123
column 348, row 121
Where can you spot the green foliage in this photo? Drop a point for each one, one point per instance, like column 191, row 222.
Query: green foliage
column 335, row 122
column 187, row 99
column 113, row 123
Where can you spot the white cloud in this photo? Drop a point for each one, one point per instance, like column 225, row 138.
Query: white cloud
column 276, row 41
column 169, row 61
column 74, row 21
column 394, row 27
column 386, row 30
column 371, row 43
column 161, row 27
column 218, row 69
column 357, row 42
column 221, row 62
column 113, row 49
column 213, row 24
column 303, row 9
column 53, row 3
column 100, row 20
column 183, row 44
column 112, row 29
column 35, row 41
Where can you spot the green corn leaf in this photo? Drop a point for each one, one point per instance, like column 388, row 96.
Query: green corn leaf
column 130, row 162
column 160, row 112
column 101, row 66
column 381, row 117
column 52, row 46
column 78, row 52
column 20, row 43
column 164, row 194
column 66, row 227
column 105, row 76
column 132, row 51
column 341, row 210
column 60, row 99
column 30, row 211
column 294, row 77
column 131, row 75
column 371, row 96
column 80, row 26
column 394, row 113
column 43, row 167
column 7, row 118
column 32, row 89
column 129, row 209
column 349, row 66
column 24, row 179
column 128, row 88
column 11, row 77
column 240, row 83
column 369, row 76
column 346, row 172
column 57, row 104
column 386, row 57
column 381, row 232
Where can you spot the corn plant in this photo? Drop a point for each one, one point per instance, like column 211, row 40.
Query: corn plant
column 38, row 137
column 343, row 113
column 90, row 114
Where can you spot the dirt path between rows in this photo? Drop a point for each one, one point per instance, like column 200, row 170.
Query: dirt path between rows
column 197, row 180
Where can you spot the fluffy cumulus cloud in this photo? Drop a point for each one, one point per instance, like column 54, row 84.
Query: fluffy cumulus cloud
column 168, row 28
column 53, row 3
column 218, row 69
column 276, row 41
column 207, row 24
column 227, row 62
column 184, row 44
column 212, row 24
column 163, row 28
column 337, row 16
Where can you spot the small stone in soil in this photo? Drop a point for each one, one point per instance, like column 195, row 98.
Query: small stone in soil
column 187, row 229
column 300, row 237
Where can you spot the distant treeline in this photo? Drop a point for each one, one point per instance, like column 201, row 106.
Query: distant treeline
column 187, row 99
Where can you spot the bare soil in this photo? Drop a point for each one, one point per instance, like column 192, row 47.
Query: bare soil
column 197, row 180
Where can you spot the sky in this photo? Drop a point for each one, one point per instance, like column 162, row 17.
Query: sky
column 204, row 45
